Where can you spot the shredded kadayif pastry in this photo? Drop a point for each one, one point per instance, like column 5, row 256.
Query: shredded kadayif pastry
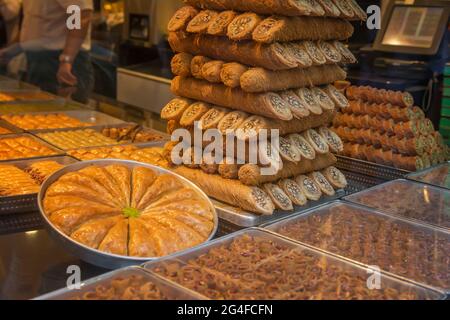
column 136, row 212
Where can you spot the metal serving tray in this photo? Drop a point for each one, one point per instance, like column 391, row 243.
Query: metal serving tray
column 246, row 219
column 438, row 176
column 437, row 241
column 387, row 281
column 57, row 151
column 93, row 256
column 435, row 201
column 26, row 203
column 170, row 290
column 10, row 127
column 93, row 118
column 370, row 169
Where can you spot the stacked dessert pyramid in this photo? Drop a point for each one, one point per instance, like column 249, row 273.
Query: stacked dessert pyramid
column 251, row 65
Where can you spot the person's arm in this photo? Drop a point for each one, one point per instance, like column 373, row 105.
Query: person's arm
column 74, row 41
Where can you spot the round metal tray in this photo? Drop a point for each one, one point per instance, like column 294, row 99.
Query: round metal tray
column 97, row 257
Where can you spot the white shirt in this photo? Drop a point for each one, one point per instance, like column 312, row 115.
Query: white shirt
column 44, row 25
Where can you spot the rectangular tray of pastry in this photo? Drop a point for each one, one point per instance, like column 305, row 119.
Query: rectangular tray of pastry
column 135, row 133
column 410, row 200
column 7, row 128
column 36, row 122
column 370, row 169
column 20, row 182
column 253, row 264
column 246, row 219
column 25, row 146
column 27, row 96
column 77, row 138
column 438, row 176
column 403, row 248
column 133, row 283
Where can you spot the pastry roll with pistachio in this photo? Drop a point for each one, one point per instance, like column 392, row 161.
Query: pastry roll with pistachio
column 263, row 80
column 231, row 74
column 285, row 29
column 175, row 108
column 242, row 26
column 268, row 104
column 251, row 175
column 211, row 71
column 181, row 64
column 200, row 23
column 197, row 64
column 181, row 18
column 229, row 191
column 219, row 24
column 271, row 56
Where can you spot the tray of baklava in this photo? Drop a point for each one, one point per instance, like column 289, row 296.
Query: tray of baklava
column 7, row 128
column 26, row 96
column 98, row 136
column 256, row 265
column 438, row 176
column 132, row 283
column 25, row 146
column 403, row 248
column 38, row 121
column 20, row 182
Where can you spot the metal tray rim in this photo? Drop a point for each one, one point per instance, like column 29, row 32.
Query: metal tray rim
column 376, row 165
column 83, row 249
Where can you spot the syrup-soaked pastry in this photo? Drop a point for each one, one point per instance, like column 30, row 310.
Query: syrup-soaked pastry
column 347, row 55
column 41, row 170
column 322, row 183
column 141, row 242
column 316, row 8
column 200, row 23
column 14, row 182
column 229, row 169
column 194, row 113
column 175, row 109
column 314, row 52
column 142, row 179
column 250, row 127
column 162, row 184
column 360, row 13
column 231, row 74
column 345, row 8
column 298, row 108
column 338, row 97
column 231, row 121
column 168, row 198
column 197, row 64
column 300, row 54
column 288, row 150
column 335, row 177
column 293, row 191
column 219, row 24
column 181, row 64
column 330, row 8
column 334, row 141
column 317, row 142
column 330, row 52
column 211, row 71
column 93, row 232
column 323, row 98
column 304, row 147
column 211, row 119
column 181, row 18
column 241, row 28
column 116, row 241
column 310, row 100
column 209, row 164
column 279, row 198
column 310, row 189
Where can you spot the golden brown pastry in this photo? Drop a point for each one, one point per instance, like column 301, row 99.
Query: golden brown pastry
column 181, row 18
column 116, row 241
column 92, row 233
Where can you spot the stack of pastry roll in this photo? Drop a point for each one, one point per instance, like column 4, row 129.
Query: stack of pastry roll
column 385, row 127
column 247, row 66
